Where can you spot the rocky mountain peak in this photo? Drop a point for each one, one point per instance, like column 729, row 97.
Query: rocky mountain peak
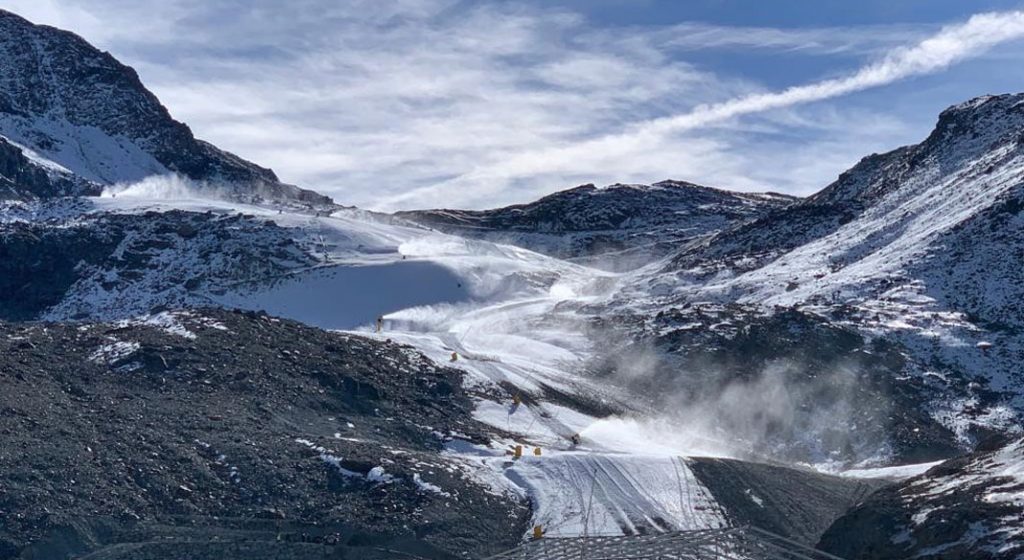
column 80, row 109
column 965, row 133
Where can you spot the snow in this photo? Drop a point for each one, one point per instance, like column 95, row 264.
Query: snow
column 169, row 322
column 345, row 297
column 114, row 351
column 428, row 487
column 330, row 458
column 86, row 151
column 897, row 472
column 512, row 318
column 505, row 324
column 380, row 476
column 576, row 493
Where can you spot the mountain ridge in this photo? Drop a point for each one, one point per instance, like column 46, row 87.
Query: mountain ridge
column 83, row 110
column 620, row 226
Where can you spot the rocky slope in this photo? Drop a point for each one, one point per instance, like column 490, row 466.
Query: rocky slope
column 22, row 178
column 969, row 162
column 920, row 247
column 78, row 112
column 970, row 507
column 617, row 227
column 119, row 265
column 204, row 423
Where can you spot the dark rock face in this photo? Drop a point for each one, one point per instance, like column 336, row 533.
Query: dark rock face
column 201, row 424
column 796, row 504
column 39, row 265
column 21, row 179
column 631, row 224
column 53, row 81
column 967, row 508
column 136, row 260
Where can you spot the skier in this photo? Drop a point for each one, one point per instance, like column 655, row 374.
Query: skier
column 380, row 323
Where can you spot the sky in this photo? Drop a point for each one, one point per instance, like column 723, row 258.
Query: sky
column 476, row 104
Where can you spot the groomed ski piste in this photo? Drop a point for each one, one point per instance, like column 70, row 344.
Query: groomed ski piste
column 508, row 318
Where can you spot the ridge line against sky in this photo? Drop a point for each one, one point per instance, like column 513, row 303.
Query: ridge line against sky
column 480, row 103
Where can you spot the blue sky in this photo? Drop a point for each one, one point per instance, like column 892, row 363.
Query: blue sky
column 472, row 103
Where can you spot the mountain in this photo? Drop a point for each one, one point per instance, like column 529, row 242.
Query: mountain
column 967, row 163
column 209, row 375
column 116, row 265
column 969, row 507
column 81, row 116
column 852, row 347
column 619, row 226
column 919, row 248
column 128, row 284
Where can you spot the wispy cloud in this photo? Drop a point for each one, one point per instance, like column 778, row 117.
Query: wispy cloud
column 419, row 103
column 859, row 40
column 952, row 44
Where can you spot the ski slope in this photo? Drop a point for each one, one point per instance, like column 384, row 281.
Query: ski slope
column 510, row 316
column 514, row 321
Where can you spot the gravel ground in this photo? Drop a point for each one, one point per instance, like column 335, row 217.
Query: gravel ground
column 210, row 415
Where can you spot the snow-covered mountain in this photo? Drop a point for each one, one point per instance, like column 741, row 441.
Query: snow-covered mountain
column 81, row 116
column 500, row 309
column 920, row 247
column 795, row 364
column 745, row 355
column 617, row 227
column 969, row 507
column 969, row 162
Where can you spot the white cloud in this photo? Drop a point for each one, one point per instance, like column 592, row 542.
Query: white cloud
column 950, row 45
column 428, row 103
column 866, row 39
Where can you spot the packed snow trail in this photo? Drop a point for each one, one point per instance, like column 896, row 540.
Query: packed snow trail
column 584, row 493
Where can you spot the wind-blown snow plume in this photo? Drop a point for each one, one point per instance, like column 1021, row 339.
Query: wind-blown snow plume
column 171, row 186
column 950, row 45
column 160, row 187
